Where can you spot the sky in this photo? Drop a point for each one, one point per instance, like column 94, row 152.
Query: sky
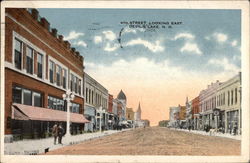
column 158, row 57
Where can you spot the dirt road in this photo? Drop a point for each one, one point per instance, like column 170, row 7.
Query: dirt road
column 154, row 141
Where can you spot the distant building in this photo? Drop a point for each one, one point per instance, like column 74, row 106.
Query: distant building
column 96, row 97
column 146, row 123
column 122, row 104
column 138, row 113
column 228, row 104
column 189, row 116
column 196, row 113
column 208, row 104
column 130, row 114
column 163, row 123
column 174, row 115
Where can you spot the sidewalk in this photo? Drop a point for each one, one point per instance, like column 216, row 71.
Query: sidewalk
column 37, row 146
column 218, row 134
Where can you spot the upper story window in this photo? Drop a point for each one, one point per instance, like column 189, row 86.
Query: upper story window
column 29, row 60
column 56, row 103
column 18, row 54
column 235, row 96
column 64, row 78
column 51, row 71
column 71, row 82
column 39, row 65
column 79, row 87
column 75, row 84
column 58, row 75
column 75, row 108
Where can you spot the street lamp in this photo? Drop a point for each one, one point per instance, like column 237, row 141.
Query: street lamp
column 101, row 111
column 68, row 96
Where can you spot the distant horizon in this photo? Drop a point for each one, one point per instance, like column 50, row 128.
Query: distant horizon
column 157, row 57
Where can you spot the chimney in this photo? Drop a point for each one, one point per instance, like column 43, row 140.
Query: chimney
column 45, row 23
column 54, row 32
column 34, row 13
column 73, row 49
column 67, row 44
column 60, row 38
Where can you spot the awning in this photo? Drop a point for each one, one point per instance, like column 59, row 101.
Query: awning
column 26, row 112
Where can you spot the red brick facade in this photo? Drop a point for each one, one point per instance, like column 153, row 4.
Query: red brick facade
column 110, row 103
column 195, row 106
column 26, row 25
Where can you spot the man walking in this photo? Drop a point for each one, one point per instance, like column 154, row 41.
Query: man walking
column 60, row 133
column 55, row 132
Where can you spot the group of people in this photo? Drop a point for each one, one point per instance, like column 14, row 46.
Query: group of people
column 58, row 131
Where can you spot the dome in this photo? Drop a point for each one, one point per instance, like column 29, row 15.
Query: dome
column 121, row 96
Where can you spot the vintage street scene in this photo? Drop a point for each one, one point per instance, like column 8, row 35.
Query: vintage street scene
column 120, row 81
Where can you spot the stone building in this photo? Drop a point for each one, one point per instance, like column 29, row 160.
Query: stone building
column 39, row 68
column 122, row 104
column 130, row 114
column 228, row 103
column 96, row 97
column 207, row 99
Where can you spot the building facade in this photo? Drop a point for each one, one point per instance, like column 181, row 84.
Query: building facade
column 228, row 103
column 130, row 114
column 208, row 104
column 122, row 105
column 96, row 97
column 195, row 113
column 39, row 68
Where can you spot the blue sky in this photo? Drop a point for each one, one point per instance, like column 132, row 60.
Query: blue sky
column 158, row 67
column 204, row 35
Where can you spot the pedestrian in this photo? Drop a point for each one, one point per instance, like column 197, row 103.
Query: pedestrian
column 55, row 132
column 60, row 133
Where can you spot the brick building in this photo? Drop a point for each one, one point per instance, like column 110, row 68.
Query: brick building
column 195, row 113
column 39, row 68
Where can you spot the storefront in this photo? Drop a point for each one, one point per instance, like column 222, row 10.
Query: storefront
column 89, row 113
column 30, row 122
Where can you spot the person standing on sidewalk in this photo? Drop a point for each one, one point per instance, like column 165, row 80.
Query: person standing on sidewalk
column 55, row 132
column 60, row 133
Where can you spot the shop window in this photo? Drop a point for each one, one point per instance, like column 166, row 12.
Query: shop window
column 56, row 103
column 39, row 65
column 27, row 97
column 18, row 54
column 51, row 71
column 29, row 60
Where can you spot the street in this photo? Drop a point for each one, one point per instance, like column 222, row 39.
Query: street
column 154, row 141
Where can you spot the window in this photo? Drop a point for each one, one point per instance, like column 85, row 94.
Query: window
column 89, row 96
column 37, row 99
column 58, row 75
column 75, row 108
column 29, row 61
column 18, row 54
column 56, row 103
column 87, row 90
column 51, row 71
column 27, row 97
column 228, row 98
column 235, row 96
column 39, row 65
column 64, row 78
column 232, row 97
column 75, row 84
column 71, row 82
column 17, row 95
column 92, row 97
column 79, row 86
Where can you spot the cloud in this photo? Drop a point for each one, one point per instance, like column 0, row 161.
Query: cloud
column 73, row 35
column 220, row 37
column 154, row 47
column 225, row 64
column 109, row 48
column 97, row 39
column 81, row 43
column 184, row 35
column 191, row 48
column 109, row 35
column 234, row 43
